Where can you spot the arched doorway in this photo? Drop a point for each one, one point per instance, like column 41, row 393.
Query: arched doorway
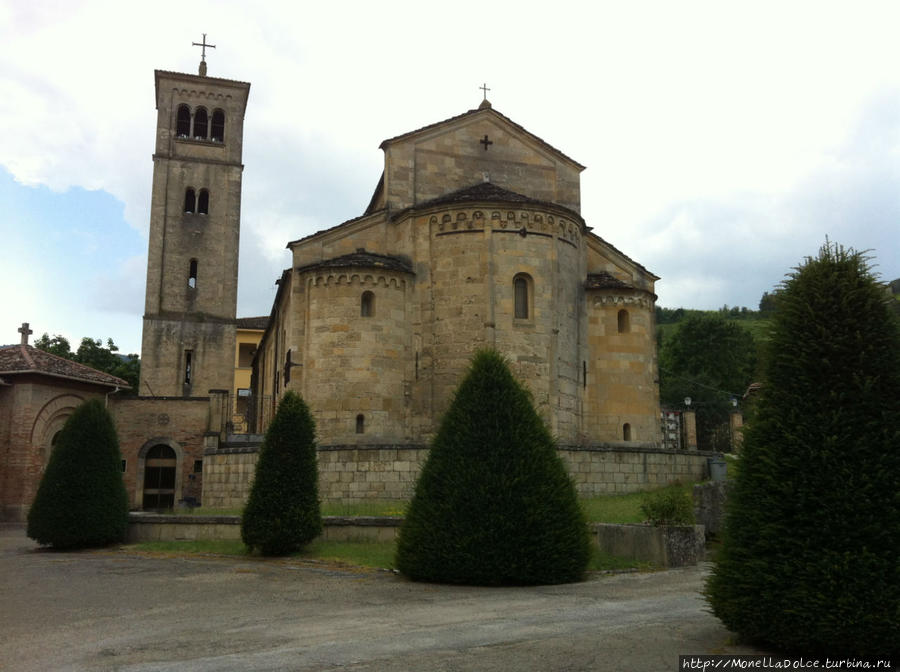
column 159, row 477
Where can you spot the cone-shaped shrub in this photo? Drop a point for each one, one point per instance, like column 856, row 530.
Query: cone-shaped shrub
column 493, row 504
column 81, row 500
column 282, row 512
column 809, row 563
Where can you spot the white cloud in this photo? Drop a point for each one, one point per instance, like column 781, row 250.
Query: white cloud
column 723, row 142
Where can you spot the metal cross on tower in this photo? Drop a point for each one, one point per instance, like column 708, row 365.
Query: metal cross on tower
column 203, row 54
column 204, row 45
column 484, row 88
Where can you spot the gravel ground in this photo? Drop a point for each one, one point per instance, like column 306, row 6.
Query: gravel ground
column 121, row 610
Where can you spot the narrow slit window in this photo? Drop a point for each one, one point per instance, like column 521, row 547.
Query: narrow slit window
column 192, row 274
column 188, row 366
column 626, row 432
column 201, row 124
column 183, row 122
column 203, row 202
column 624, row 322
column 367, row 304
column 190, row 201
column 217, row 129
column 360, row 424
column 520, row 291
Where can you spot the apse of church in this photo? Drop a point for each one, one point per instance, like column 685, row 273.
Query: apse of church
column 473, row 238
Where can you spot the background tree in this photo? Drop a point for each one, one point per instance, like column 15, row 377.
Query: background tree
column 92, row 353
column 809, row 562
column 282, row 512
column 710, row 360
column 494, row 503
column 81, row 500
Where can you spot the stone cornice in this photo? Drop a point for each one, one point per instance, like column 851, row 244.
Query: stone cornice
column 364, row 278
column 621, row 296
column 524, row 221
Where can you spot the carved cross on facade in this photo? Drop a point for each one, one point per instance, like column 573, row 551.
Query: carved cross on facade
column 484, row 88
column 484, row 141
column 26, row 332
column 204, row 45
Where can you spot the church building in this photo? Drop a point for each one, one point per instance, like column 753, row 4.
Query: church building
column 473, row 238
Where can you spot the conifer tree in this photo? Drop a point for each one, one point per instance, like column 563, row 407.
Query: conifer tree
column 282, row 512
column 494, row 503
column 809, row 563
column 81, row 501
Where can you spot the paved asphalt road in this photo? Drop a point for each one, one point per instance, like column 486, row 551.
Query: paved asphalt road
column 119, row 610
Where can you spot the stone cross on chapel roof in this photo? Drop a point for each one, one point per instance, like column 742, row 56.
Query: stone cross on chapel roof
column 26, row 332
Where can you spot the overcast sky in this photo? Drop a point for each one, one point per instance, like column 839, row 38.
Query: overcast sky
column 723, row 141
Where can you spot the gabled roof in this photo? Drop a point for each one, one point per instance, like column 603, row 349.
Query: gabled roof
column 485, row 110
column 259, row 323
column 486, row 192
column 361, row 259
column 19, row 359
column 604, row 280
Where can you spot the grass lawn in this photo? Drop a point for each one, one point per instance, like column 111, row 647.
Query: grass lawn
column 360, row 554
column 604, row 509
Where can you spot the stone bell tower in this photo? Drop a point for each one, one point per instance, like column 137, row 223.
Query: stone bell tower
column 188, row 339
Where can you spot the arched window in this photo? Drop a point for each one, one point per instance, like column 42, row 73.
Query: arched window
column 522, row 296
column 190, row 201
column 217, row 132
column 192, row 274
column 367, row 304
column 626, row 432
column 624, row 322
column 201, row 124
column 360, row 424
column 203, row 202
column 159, row 478
column 183, row 122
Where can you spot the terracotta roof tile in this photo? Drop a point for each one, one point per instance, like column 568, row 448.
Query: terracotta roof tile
column 485, row 191
column 604, row 280
column 17, row 359
column 361, row 259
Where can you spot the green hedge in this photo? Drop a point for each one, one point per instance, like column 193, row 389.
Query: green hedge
column 81, row 500
column 282, row 512
column 810, row 562
column 493, row 503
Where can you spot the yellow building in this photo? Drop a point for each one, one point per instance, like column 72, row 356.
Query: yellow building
column 249, row 334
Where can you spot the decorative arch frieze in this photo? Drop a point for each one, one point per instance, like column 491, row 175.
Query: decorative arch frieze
column 362, row 280
column 519, row 221
column 52, row 417
column 612, row 300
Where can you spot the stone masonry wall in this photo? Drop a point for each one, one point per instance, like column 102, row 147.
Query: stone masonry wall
column 610, row 470
column 142, row 422
column 227, row 478
column 350, row 474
